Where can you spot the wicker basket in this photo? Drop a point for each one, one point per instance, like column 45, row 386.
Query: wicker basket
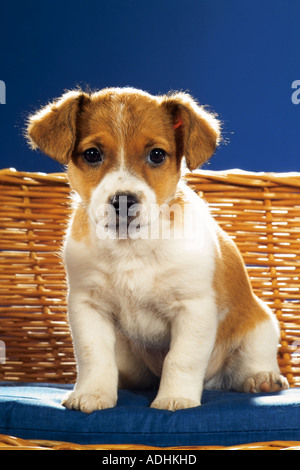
column 15, row 443
column 261, row 211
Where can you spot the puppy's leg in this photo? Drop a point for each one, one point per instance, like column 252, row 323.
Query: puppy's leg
column 193, row 331
column 255, row 368
column 94, row 344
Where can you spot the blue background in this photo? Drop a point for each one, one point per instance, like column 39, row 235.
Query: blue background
column 240, row 57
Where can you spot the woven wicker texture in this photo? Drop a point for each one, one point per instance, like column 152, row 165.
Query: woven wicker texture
column 260, row 211
column 15, row 443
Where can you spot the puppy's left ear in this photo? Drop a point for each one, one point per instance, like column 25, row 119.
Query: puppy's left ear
column 197, row 130
column 53, row 128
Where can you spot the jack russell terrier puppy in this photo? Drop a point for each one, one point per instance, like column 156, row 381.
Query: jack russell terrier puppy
column 157, row 292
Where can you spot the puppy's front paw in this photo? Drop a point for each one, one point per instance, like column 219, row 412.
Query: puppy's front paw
column 88, row 401
column 174, row 403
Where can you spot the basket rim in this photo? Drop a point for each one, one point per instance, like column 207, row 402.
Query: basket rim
column 248, row 178
column 11, row 175
column 234, row 176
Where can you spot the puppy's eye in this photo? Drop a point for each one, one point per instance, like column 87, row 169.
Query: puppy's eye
column 156, row 157
column 92, row 156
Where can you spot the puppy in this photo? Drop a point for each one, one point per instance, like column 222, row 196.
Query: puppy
column 157, row 292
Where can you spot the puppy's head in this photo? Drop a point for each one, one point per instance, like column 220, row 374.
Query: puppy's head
column 124, row 146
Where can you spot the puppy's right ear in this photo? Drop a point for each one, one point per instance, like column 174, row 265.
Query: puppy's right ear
column 53, row 128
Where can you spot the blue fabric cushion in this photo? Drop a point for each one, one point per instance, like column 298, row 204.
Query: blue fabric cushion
column 33, row 411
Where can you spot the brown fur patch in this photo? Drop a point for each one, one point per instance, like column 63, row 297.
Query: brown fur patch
column 234, row 295
column 80, row 225
column 198, row 133
column 53, row 128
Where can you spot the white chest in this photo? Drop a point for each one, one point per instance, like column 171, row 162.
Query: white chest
column 142, row 286
column 141, row 306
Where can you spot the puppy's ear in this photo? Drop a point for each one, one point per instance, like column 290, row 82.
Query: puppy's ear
column 53, row 128
column 197, row 130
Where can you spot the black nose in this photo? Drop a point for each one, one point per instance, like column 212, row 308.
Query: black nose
column 122, row 202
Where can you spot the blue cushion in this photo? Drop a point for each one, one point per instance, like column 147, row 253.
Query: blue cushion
column 33, row 411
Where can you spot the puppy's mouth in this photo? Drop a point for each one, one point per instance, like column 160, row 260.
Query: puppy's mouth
column 125, row 222
column 127, row 228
